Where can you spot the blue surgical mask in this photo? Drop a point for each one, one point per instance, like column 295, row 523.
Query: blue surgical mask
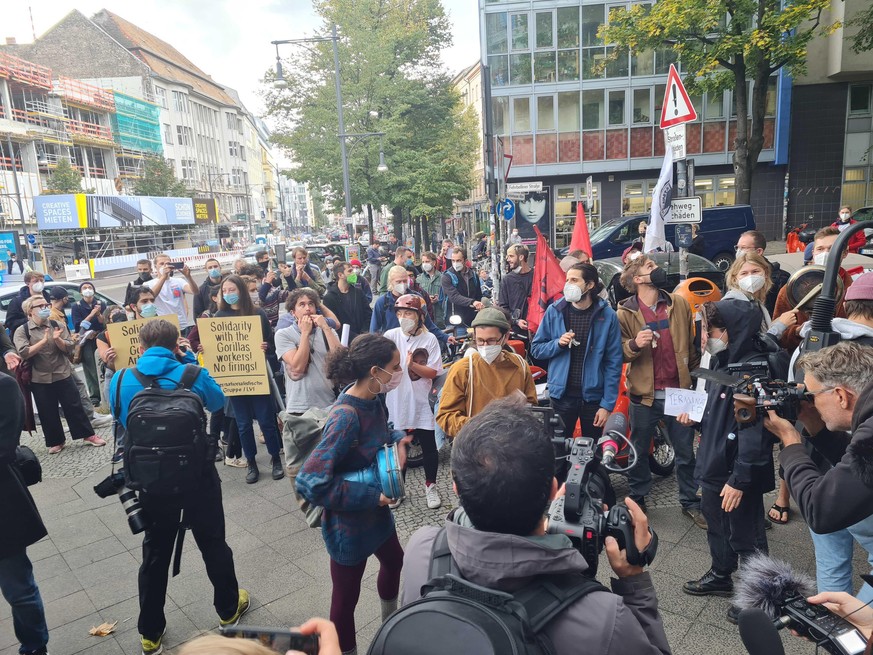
column 148, row 311
column 409, row 262
column 231, row 298
column 215, row 273
column 44, row 312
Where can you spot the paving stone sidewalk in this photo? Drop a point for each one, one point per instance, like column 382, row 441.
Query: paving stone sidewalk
column 87, row 566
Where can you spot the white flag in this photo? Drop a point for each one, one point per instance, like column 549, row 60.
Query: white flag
column 661, row 207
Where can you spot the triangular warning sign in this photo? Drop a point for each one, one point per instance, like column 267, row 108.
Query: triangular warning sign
column 677, row 108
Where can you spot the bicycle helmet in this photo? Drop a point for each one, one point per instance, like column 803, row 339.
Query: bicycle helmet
column 410, row 301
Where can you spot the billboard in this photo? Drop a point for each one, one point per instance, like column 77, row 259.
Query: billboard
column 105, row 212
column 8, row 242
column 534, row 209
column 205, row 210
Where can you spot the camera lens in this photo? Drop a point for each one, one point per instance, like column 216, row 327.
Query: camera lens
column 136, row 517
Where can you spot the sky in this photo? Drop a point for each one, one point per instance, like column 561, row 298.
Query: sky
column 231, row 45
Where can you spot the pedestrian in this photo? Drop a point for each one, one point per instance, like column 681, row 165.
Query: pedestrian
column 845, row 220
column 22, row 527
column 34, row 285
column 347, row 301
column 13, row 259
column 235, row 301
column 384, row 317
column 753, row 241
column 444, row 260
column 170, row 292
column 302, row 273
column 462, row 288
column 430, row 282
column 361, row 281
column 60, row 301
column 749, row 278
column 143, row 275
column 515, row 237
column 88, row 323
column 400, row 259
column 374, row 263
column 409, row 404
column 209, row 286
column 515, row 286
column 356, row 522
column 47, row 345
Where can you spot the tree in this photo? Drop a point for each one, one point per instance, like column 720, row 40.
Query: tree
column 386, row 54
column 721, row 44
column 64, row 179
column 863, row 39
column 159, row 179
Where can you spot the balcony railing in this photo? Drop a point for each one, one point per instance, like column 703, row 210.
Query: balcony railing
column 81, row 93
column 25, row 72
column 81, row 130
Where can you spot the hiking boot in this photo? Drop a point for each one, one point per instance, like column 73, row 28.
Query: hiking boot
column 253, row 473
column 150, row 647
column 711, row 584
column 695, row 515
column 432, row 496
column 241, row 608
column 278, row 470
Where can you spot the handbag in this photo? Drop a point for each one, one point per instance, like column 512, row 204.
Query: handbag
column 28, row 465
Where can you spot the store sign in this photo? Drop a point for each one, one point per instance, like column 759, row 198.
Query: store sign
column 205, row 210
column 57, row 212
column 68, row 212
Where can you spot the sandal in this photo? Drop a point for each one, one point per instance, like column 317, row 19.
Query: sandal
column 783, row 511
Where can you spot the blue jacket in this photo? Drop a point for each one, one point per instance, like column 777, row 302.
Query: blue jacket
column 160, row 362
column 603, row 361
column 384, row 318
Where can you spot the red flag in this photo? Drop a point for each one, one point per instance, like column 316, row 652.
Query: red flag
column 580, row 240
column 548, row 282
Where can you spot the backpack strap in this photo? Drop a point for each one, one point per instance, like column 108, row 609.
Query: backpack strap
column 550, row 595
column 145, row 380
column 117, row 407
column 441, row 560
column 189, row 376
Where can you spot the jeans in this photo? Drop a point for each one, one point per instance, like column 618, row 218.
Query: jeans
column 833, row 558
column 247, row 409
column 642, row 424
column 736, row 534
column 20, row 591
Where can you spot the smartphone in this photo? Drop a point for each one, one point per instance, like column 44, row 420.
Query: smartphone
column 276, row 639
column 178, row 265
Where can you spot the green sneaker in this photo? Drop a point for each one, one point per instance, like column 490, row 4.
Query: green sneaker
column 241, row 608
column 150, row 647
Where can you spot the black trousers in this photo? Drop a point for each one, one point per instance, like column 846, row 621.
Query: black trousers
column 204, row 514
column 733, row 535
column 430, row 456
column 66, row 394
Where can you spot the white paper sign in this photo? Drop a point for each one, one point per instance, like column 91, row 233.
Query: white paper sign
column 682, row 401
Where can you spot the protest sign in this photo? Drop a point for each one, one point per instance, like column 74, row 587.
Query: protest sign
column 232, row 354
column 124, row 339
column 685, row 401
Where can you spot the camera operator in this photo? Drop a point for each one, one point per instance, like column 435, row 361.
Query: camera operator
column 203, row 511
column 503, row 475
column 734, row 465
column 838, row 379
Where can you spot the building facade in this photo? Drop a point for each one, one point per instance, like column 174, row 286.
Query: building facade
column 468, row 85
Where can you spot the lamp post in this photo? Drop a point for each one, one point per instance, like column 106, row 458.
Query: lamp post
column 282, row 83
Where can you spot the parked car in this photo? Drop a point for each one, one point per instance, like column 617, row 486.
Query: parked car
column 610, row 268
column 8, row 292
column 720, row 228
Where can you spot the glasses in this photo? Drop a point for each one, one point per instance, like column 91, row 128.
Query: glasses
column 813, row 394
column 38, row 306
column 488, row 342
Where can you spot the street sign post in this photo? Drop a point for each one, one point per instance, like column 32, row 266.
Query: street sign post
column 507, row 209
column 31, row 239
column 676, row 108
column 674, row 137
column 589, row 193
column 683, row 235
column 524, row 187
column 686, row 210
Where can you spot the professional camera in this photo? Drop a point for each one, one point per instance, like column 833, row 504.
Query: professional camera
column 579, row 514
column 137, row 519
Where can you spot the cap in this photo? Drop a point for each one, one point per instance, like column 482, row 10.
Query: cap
column 862, row 288
column 409, row 301
column 568, row 262
column 491, row 317
column 58, row 293
column 636, row 246
column 355, row 262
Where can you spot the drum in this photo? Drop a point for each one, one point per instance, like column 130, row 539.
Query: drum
column 384, row 473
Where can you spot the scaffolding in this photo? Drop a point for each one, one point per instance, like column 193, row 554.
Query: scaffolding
column 25, row 72
column 85, row 95
column 136, row 124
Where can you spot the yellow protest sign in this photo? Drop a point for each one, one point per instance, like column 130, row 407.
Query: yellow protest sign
column 232, row 354
column 124, row 339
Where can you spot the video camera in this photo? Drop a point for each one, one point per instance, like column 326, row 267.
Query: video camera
column 137, row 519
column 579, row 514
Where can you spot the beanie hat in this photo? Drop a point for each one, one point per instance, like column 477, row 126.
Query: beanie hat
column 862, row 288
column 491, row 317
column 58, row 293
column 355, row 262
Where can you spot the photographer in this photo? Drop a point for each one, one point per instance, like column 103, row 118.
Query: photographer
column 734, row 463
column 203, row 511
column 838, row 379
column 503, row 475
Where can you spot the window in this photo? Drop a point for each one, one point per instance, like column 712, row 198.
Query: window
column 180, row 135
column 660, row 91
column 860, row 99
column 592, row 19
column 568, row 112
column 663, row 58
column 180, row 102
column 545, row 36
column 231, row 121
column 189, row 169
column 544, row 66
column 642, row 106
column 161, row 96
column 714, row 106
column 519, row 69
column 172, row 163
column 500, row 113
column 592, row 110
column 568, row 65
column 499, row 70
column 636, row 197
column 616, row 66
column 520, row 115
column 236, row 177
column 242, row 152
column 616, row 108
column 168, row 134
column 857, row 187
column 643, row 63
column 568, row 27
column 495, row 33
column 566, row 199
column 772, row 97
column 520, row 40
column 233, row 147
column 545, row 114
column 716, row 191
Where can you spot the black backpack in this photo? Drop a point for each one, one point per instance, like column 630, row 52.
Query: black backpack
column 167, row 448
column 459, row 617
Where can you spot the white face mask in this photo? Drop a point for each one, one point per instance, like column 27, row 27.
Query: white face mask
column 38, row 287
column 399, row 288
column 458, row 266
column 752, row 283
column 489, row 353
column 87, row 293
column 408, row 325
column 427, row 267
column 821, row 258
column 572, row 293
column 715, row 346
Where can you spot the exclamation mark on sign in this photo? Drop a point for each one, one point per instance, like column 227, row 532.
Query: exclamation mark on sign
column 675, row 102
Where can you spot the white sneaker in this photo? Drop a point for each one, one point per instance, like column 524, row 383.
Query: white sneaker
column 101, row 420
column 236, row 462
column 432, row 496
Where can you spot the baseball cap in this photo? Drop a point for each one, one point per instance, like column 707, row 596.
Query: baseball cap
column 355, row 262
column 491, row 317
column 862, row 288
column 58, row 293
column 635, row 247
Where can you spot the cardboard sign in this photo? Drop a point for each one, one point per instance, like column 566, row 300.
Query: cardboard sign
column 681, row 401
column 124, row 339
column 232, row 354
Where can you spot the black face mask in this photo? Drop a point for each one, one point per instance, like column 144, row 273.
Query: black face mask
column 145, row 277
column 658, row 278
column 265, row 265
column 118, row 317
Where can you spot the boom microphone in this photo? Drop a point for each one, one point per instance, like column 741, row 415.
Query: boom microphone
column 758, row 633
column 766, row 583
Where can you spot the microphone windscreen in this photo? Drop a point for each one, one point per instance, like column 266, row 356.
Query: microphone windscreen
column 765, row 583
column 758, row 633
column 617, row 422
